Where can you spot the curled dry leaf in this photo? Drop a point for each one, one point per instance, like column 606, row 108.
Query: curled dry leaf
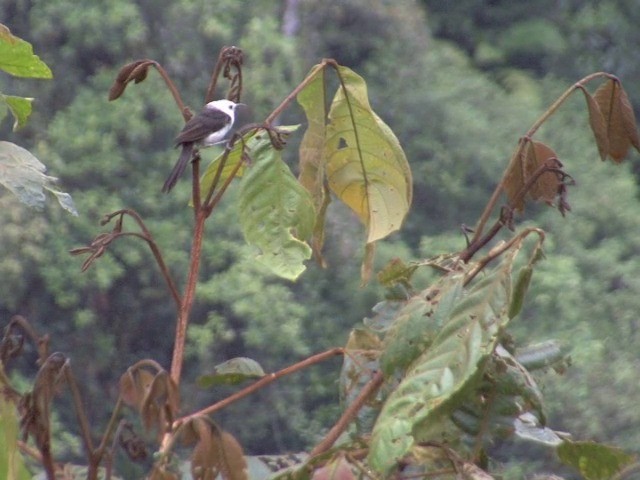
column 531, row 158
column 619, row 119
column 546, row 187
column 136, row 71
column 134, row 384
column 161, row 402
column 598, row 125
column 233, row 463
column 205, row 458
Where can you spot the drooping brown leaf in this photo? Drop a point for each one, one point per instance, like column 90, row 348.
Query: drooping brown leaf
column 205, row 458
column 598, row 125
column 35, row 406
column 134, row 385
column 619, row 119
column 233, row 464
column 161, row 402
column 135, row 71
column 546, row 187
column 531, row 158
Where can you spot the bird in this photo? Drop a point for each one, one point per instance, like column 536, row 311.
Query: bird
column 207, row 128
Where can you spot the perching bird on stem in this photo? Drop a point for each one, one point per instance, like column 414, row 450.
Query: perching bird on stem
column 207, row 128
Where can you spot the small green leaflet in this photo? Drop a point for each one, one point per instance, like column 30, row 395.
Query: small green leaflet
column 232, row 372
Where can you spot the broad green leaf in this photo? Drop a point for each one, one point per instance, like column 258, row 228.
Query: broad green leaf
column 312, row 99
column 23, row 174
column 366, row 167
column 17, row 57
column 417, row 324
column 232, row 372
column 11, row 461
column 20, row 109
column 593, row 460
column 430, row 391
column 276, row 212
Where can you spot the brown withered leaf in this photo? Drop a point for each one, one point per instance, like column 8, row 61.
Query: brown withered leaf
column 531, row 157
column 160, row 403
column 134, row 385
column 233, row 465
column 619, row 119
column 598, row 125
column 546, row 187
column 514, row 181
column 136, row 71
column 205, row 457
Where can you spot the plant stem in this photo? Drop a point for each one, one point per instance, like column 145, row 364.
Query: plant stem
column 351, row 411
column 266, row 380
column 189, row 295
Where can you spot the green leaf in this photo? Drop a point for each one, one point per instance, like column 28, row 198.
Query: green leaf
column 520, row 290
column 429, row 392
column 20, row 109
column 593, row 460
column 231, row 372
column 11, row 461
column 550, row 353
column 23, row 174
column 17, row 58
column 416, row 325
column 276, row 212
column 312, row 99
column 366, row 167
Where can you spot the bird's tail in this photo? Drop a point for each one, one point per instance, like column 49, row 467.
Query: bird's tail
column 183, row 161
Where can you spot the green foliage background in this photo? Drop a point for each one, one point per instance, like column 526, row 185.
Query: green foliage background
column 458, row 84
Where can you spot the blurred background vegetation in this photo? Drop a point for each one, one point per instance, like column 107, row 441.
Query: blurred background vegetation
column 458, row 82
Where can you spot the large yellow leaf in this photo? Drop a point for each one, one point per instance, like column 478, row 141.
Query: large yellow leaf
column 366, row 167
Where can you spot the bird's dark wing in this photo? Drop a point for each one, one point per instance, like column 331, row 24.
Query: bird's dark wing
column 201, row 125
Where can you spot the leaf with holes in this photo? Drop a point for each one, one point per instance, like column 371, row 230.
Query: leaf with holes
column 429, row 392
column 366, row 166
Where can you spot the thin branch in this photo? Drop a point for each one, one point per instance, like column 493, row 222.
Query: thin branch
column 291, row 97
column 350, row 412
column 264, row 381
column 188, row 298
